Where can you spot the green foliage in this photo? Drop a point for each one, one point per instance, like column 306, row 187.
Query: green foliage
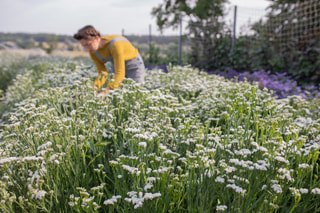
column 9, row 67
column 153, row 53
column 155, row 56
column 205, row 25
column 52, row 41
column 168, row 13
column 183, row 142
column 36, row 74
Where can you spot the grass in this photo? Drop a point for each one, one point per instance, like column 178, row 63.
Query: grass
column 182, row 142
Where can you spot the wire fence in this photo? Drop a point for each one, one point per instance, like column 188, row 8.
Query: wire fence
column 289, row 26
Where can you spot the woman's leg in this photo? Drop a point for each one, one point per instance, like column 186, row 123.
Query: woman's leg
column 135, row 69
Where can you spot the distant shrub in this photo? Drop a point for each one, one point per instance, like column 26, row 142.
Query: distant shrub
column 10, row 66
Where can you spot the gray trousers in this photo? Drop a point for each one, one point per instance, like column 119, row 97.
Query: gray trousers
column 134, row 69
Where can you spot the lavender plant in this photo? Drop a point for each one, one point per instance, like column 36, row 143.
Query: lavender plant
column 281, row 84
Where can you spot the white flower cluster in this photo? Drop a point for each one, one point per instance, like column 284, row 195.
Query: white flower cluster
column 112, row 200
column 277, row 188
column 237, row 189
column 138, row 201
column 315, row 191
column 221, row 208
column 131, row 170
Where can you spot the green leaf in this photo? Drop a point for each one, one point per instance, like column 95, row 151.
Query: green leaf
column 102, row 143
column 90, row 144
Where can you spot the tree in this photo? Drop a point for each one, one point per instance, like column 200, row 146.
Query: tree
column 52, row 41
column 205, row 24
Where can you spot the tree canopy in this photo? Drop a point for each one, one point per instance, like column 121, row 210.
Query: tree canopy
column 169, row 12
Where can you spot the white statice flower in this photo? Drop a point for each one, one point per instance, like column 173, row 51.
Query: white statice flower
column 35, row 177
column 282, row 160
column 162, row 147
column 238, row 189
column 138, row 205
column 40, row 194
column 275, row 206
column 112, row 200
column 149, row 170
column 143, row 144
column 277, row 188
column 221, row 208
column 169, row 152
column 42, row 152
column 85, row 194
column 5, row 178
column 132, row 130
column 242, row 163
column 241, row 179
column 260, row 167
column 183, row 159
column 150, row 196
column 81, row 189
column 148, row 186
column 98, row 187
column 295, row 191
column 263, row 187
column 255, row 144
column 131, row 170
column 151, row 179
column 132, row 193
column 243, row 152
column 263, row 149
column 146, row 136
column 89, row 199
column 162, row 170
column 113, row 162
column 315, row 191
column 32, row 159
column 231, row 181
column 284, row 174
column 304, row 191
column 81, row 137
column 230, row 169
column 305, row 166
column 44, row 146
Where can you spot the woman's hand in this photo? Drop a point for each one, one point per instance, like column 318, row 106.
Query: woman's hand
column 104, row 93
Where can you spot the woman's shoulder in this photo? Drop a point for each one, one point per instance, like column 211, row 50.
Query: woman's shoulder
column 108, row 38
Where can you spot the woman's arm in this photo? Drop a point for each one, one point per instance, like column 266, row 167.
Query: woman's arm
column 117, row 52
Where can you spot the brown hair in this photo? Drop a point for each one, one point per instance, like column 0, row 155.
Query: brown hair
column 87, row 32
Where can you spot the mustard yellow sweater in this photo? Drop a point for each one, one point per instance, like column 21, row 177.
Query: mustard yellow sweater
column 121, row 51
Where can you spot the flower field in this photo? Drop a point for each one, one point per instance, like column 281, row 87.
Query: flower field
column 183, row 142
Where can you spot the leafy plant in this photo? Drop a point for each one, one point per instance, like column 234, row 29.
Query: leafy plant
column 184, row 141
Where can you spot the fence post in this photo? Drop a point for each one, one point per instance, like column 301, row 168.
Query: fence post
column 234, row 25
column 180, row 42
column 149, row 36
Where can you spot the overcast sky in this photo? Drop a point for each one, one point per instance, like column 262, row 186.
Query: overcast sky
column 65, row 17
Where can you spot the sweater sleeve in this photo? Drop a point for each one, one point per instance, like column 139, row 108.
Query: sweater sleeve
column 117, row 52
column 102, row 72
